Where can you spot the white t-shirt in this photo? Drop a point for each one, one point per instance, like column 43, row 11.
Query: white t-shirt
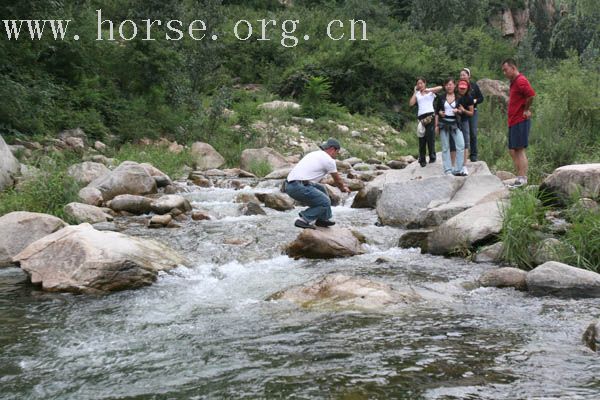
column 449, row 108
column 425, row 102
column 313, row 167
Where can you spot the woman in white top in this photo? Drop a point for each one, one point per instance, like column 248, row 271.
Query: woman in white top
column 424, row 98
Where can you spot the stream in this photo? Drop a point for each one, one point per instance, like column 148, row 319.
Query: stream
column 206, row 332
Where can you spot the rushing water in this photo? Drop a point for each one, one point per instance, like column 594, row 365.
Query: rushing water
column 207, row 332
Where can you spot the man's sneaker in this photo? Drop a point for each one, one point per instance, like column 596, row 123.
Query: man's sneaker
column 423, row 163
column 465, row 171
column 473, row 158
column 518, row 183
column 449, row 173
column 302, row 224
column 431, row 160
column 459, row 173
column 324, row 224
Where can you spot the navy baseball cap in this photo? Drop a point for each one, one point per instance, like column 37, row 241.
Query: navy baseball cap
column 331, row 142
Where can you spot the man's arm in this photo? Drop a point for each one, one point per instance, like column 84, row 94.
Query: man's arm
column 527, row 111
column 339, row 182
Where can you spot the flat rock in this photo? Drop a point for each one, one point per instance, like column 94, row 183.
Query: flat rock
column 167, row 203
column 81, row 259
column 554, row 278
column 467, row 229
column 343, row 291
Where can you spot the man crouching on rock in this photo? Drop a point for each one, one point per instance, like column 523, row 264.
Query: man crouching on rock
column 302, row 185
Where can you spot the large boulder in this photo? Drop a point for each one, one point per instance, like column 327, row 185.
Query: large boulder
column 280, row 173
column 343, row 291
column 580, row 179
column 87, row 171
column 434, row 198
column 490, row 254
column 81, row 259
column 206, row 157
column 20, row 229
column 325, row 243
column 87, row 213
column 563, row 280
column 9, row 166
column 467, row 229
column 128, row 178
column 266, row 154
column 494, row 89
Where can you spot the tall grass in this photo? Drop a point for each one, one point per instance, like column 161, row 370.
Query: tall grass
column 521, row 219
column 260, row 168
column 582, row 241
column 168, row 162
column 47, row 192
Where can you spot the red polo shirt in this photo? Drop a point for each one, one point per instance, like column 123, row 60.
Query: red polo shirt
column 520, row 91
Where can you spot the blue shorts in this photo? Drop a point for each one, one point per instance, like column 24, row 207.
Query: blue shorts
column 518, row 135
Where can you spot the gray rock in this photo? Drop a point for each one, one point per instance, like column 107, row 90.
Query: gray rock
column 325, row 243
column 21, row 228
column 505, row 277
column 416, row 238
column 554, row 278
column 128, row 178
column 106, row 226
column 198, row 215
column 369, row 197
column 166, row 203
column 266, row 154
column 91, row 196
column 490, row 254
column 276, row 201
column 581, row 179
column 280, row 173
column 206, row 157
column 467, row 229
column 87, row 171
column 547, row 250
column 353, row 160
column 81, row 259
column 73, row 133
column 99, row 146
column 9, row 166
column 132, row 204
column 160, row 221
column 591, row 336
column 279, row 105
column 335, row 195
column 75, row 143
column 343, row 291
column 86, row 213
column 252, row 208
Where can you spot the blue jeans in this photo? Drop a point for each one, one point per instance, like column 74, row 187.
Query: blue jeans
column 473, row 134
column 445, row 132
column 314, row 196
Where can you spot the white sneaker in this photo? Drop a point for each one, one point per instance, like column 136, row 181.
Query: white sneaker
column 520, row 182
column 465, row 171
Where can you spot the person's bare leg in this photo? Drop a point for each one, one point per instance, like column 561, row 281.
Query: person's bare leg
column 513, row 155
column 521, row 162
column 453, row 158
column 466, row 156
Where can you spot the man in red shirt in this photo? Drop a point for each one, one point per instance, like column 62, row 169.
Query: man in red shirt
column 519, row 119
